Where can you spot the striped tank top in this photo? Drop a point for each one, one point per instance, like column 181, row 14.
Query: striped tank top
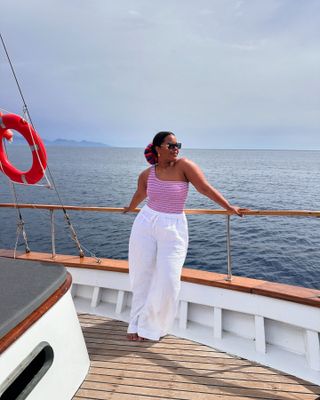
column 166, row 196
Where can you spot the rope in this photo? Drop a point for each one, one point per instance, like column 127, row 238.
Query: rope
column 37, row 153
column 26, row 112
column 48, row 185
column 29, row 184
column 6, row 111
column 98, row 260
column 15, row 77
column 43, row 217
column 20, row 223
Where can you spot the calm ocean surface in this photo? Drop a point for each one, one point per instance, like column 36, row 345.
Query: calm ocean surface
column 278, row 249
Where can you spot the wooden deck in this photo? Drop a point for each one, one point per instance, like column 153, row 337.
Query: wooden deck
column 175, row 368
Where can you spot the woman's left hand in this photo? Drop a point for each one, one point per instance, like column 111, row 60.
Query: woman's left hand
column 237, row 210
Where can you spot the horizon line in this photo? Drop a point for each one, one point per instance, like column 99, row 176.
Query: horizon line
column 73, row 143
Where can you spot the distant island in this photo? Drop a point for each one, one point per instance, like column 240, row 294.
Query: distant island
column 62, row 142
column 81, row 143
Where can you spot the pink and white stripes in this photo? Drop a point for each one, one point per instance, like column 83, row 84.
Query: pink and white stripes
column 166, row 196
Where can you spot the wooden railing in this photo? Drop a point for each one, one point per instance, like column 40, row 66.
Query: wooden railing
column 52, row 208
column 280, row 213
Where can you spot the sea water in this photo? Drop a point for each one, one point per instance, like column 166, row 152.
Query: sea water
column 282, row 249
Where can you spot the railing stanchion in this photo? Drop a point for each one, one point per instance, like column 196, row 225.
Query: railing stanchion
column 53, row 240
column 229, row 277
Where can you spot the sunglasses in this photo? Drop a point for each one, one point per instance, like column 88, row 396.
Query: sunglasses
column 172, row 146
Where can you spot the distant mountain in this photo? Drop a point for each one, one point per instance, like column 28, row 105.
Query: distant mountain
column 62, row 142
column 82, row 143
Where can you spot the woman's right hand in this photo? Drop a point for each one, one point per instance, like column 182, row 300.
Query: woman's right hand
column 126, row 210
column 237, row 210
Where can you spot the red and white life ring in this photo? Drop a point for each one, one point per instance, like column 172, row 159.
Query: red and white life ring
column 39, row 154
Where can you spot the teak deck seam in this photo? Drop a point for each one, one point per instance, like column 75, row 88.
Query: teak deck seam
column 166, row 377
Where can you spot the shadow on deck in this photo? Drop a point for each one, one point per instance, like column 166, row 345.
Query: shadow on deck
column 175, row 368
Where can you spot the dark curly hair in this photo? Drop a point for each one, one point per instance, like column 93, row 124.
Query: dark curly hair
column 150, row 151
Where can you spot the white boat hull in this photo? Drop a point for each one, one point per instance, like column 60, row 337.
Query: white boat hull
column 59, row 328
column 278, row 333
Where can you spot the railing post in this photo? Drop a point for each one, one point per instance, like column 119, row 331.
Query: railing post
column 53, row 239
column 229, row 277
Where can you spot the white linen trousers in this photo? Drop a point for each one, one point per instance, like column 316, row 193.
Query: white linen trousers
column 157, row 250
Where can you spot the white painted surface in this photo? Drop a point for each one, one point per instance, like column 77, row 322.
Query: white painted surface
column 96, row 296
column 278, row 333
column 287, row 336
column 60, row 327
column 217, row 324
column 238, row 323
column 120, row 301
column 260, row 334
column 313, row 349
column 183, row 315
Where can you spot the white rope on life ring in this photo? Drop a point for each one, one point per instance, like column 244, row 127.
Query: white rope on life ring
column 39, row 154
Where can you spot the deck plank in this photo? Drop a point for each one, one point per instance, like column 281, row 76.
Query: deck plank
column 175, row 369
column 224, row 378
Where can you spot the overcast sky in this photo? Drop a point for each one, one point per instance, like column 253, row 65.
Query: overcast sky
column 218, row 73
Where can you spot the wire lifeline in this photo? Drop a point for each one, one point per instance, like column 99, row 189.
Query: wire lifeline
column 54, row 224
column 20, row 223
column 26, row 112
column 15, row 77
column 25, row 107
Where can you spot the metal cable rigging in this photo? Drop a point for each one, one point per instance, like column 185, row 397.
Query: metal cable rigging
column 52, row 185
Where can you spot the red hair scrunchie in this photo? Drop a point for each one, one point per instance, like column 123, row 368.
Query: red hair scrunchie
column 149, row 154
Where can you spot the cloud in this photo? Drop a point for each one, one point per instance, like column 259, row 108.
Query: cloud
column 120, row 71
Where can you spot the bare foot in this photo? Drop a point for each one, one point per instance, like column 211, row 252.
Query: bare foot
column 142, row 339
column 132, row 336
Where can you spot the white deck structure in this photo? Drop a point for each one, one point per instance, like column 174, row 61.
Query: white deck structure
column 274, row 324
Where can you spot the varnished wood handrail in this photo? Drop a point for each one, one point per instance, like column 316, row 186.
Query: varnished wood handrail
column 296, row 294
column 279, row 213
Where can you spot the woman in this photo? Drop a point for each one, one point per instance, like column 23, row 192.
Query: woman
column 159, row 237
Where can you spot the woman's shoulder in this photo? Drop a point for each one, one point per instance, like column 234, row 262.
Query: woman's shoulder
column 188, row 168
column 184, row 162
column 145, row 173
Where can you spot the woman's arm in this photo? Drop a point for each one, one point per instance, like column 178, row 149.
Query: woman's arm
column 141, row 192
column 194, row 175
